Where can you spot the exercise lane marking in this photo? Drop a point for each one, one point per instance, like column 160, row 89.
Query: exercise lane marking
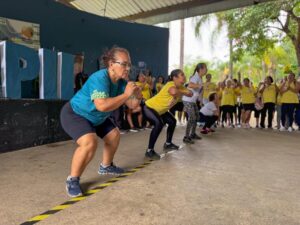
column 96, row 189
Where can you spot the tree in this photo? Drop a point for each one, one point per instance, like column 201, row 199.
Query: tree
column 224, row 19
column 259, row 27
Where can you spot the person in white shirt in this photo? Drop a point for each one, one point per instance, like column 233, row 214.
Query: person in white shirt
column 210, row 113
column 190, row 105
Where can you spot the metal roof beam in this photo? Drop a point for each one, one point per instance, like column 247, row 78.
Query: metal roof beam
column 189, row 9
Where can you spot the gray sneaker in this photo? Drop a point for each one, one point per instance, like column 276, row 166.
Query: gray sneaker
column 188, row 140
column 195, row 136
column 112, row 169
column 73, row 187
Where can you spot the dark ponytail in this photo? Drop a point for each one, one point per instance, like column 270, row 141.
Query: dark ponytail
column 198, row 67
column 174, row 73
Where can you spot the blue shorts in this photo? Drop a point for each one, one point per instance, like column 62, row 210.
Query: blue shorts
column 76, row 126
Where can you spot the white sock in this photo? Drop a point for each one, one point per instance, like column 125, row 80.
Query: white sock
column 104, row 166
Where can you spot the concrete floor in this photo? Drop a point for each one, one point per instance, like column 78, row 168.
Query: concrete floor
column 234, row 176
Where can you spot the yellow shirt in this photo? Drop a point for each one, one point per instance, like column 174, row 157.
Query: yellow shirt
column 278, row 102
column 219, row 93
column 269, row 94
column 248, row 95
column 159, row 87
column 163, row 101
column 228, row 96
column 145, row 90
column 236, row 94
column 289, row 96
column 208, row 88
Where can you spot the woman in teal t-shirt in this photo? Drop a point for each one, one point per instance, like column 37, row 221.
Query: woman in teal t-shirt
column 86, row 116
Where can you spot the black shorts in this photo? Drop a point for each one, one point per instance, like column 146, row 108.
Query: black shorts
column 248, row 107
column 235, row 108
column 76, row 126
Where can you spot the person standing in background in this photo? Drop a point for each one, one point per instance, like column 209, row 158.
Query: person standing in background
column 190, row 105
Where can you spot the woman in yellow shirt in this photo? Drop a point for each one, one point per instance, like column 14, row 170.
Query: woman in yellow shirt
column 208, row 88
column 221, row 86
column 268, row 90
column 248, row 93
column 227, row 103
column 159, row 84
column 156, row 111
column 141, row 81
column 289, row 99
column 237, row 112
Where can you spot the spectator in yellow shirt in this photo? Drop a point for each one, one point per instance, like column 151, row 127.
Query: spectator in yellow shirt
column 159, row 84
column 248, row 93
column 268, row 90
column 289, row 100
column 208, row 87
column 228, row 103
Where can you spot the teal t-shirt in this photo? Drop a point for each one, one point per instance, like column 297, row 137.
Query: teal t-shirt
column 98, row 85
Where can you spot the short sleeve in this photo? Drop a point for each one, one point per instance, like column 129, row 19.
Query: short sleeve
column 195, row 79
column 98, row 87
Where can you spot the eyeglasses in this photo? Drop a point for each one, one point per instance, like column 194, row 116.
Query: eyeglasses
column 124, row 64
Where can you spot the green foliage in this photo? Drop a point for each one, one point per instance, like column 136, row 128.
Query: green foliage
column 265, row 39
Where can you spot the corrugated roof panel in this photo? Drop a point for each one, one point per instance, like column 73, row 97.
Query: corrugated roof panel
column 77, row 6
column 112, row 9
column 134, row 6
column 84, row 4
column 121, row 8
column 117, row 9
column 143, row 5
column 96, row 9
column 156, row 4
column 92, row 7
column 150, row 5
column 134, row 9
column 126, row 8
column 78, row 3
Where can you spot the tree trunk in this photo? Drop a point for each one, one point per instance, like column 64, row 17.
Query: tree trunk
column 231, row 58
column 264, row 69
column 181, row 58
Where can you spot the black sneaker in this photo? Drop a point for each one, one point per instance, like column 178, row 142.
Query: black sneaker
column 188, row 140
column 152, row 155
column 195, row 136
column 170, row 146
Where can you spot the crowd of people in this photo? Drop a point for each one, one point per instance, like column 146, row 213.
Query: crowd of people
column 108, row 103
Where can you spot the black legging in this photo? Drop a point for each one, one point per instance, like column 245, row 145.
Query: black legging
column 209, row 120
column 239, row 112
column 270, row 107
column 158, row 121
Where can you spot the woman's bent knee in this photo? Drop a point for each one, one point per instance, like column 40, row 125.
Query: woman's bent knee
column 88, row 142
